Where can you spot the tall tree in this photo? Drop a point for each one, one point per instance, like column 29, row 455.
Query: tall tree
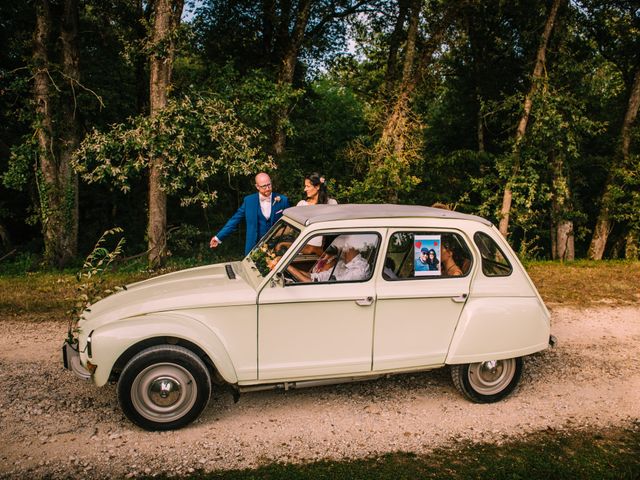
column 71, row 135
column 166, row 19
column 398, row 147
column 392, row 146
column 604, row 222
column 614, row 27
column 538, row 72
column 57, row 137
column 291, row 41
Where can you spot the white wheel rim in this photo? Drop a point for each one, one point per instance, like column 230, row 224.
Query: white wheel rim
column 492, row 377
column 164, row 392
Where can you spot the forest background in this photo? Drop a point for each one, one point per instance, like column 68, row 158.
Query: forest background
column 153, row 116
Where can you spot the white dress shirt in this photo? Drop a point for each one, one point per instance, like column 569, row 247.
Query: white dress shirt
column 265, row 206
column 356, row 269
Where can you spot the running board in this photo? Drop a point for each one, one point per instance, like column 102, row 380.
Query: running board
column 306, row 383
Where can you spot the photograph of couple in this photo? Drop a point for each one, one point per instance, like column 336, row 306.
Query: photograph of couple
column 426, row 255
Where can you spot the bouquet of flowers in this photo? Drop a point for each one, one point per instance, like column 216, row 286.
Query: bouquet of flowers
column 264, row 259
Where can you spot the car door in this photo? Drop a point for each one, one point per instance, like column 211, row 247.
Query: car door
column 321, row 328
column 420, row 298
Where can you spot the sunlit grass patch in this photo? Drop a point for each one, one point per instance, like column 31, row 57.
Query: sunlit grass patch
column 47, row 295
column 587, row 283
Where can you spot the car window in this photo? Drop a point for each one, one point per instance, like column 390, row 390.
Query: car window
column 267, row 253
column 334, row 258
column 419, row 255
column 494, row 262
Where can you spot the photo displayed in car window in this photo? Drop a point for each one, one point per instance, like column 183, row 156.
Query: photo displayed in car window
column 427, row 255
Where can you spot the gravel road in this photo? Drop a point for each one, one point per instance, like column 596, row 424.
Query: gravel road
column 56, row 426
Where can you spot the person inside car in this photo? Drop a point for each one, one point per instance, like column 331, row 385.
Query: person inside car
column 449, row 266
column 350, row 265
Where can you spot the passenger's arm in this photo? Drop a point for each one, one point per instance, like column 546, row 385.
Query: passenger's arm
column 298, row 274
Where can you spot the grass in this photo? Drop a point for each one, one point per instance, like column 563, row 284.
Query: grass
column 36, row 296
column 609, row 454
column 48, row 295
column 587, row 283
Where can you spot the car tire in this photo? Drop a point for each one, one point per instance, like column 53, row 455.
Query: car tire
column 487, row 382
column 164, row 387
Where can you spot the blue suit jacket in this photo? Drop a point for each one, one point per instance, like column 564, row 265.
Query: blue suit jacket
column 249, row 211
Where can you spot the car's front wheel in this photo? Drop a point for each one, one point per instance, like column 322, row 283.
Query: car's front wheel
column 164, row 387
column 487, row 382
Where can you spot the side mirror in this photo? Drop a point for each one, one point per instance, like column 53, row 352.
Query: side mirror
column 277, row 280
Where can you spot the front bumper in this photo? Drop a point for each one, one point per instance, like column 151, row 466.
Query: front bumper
column 71, row 361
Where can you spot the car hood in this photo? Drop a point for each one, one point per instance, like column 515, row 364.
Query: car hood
column 192, row 288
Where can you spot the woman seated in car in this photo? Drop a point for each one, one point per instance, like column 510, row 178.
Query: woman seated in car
column 449, row 266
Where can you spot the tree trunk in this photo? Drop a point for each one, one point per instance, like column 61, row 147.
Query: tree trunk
column 480, row 129
column 601, row 231
column 268, row 28
column 139, row 62
column 630, row 116
column 565, row 241
column 41, row 92
column 290, row 48
column 5, row 239
column 166, row 19
column 631, row 245
column 71, row 134
column 476, row 46
column 391, row 75
column 399, row 143
column 394, row 133
column 524, row 119
column 604, row 223
column 562, row 235
column 57, row 185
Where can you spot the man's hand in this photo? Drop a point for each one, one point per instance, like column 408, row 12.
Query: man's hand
column 214, row 242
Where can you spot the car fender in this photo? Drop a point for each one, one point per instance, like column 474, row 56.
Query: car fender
column 495, row 328
column 110, row 341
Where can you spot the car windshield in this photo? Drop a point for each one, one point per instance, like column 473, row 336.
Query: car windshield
column 267, row 253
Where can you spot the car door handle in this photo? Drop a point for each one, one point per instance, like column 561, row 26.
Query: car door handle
column 363, row 302
column 460, row 299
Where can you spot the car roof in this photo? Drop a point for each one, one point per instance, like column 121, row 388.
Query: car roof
column 307, row 215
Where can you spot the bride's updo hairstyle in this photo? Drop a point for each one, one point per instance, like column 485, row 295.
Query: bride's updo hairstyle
column 318, row 181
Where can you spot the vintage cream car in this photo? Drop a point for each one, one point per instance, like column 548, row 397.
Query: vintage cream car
column 333, row 293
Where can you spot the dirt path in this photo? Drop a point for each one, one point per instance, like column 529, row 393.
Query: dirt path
column 54, row 426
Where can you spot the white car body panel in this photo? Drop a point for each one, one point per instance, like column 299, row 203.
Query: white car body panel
column 309, row 331
column 499, row 328
column 192, row 288
column 415, row 321
column 201, row 305
column 110, row 341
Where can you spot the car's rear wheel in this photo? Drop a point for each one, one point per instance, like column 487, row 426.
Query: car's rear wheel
column 164, row 387
column 487, row 382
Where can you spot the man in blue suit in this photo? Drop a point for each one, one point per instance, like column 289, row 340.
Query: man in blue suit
column 259, row 211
